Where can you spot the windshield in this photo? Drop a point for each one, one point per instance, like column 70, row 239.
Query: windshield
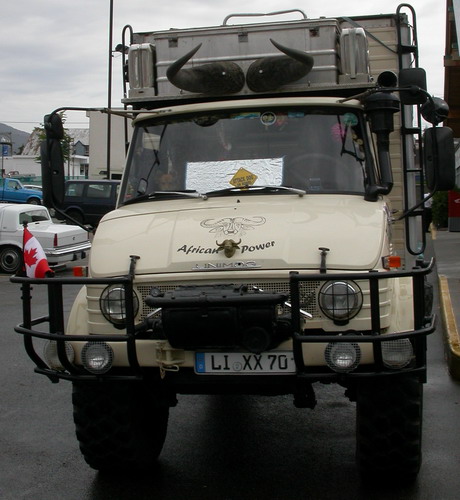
column 316, row 150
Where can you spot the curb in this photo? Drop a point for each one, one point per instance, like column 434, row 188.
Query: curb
column 450, row 328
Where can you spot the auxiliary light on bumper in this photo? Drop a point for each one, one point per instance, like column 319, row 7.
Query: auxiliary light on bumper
column 342, row 357
column 50, row 354
column 97, row 357
column 397, row 354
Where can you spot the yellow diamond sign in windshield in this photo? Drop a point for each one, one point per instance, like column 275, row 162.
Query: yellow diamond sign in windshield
column 205, row 176
column 243, row 178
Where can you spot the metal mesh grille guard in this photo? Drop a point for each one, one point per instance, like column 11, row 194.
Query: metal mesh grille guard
column 423, row 325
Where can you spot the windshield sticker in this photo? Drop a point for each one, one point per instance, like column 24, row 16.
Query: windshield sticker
column 243, row 178
column 338, row 132
column 350, row 119
column 243, row 116
column 296, row 114
column 279, row 119
column 268, row 118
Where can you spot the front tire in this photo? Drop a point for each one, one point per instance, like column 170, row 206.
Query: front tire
column 119, row 425
column 389, row 429
column 10, row 259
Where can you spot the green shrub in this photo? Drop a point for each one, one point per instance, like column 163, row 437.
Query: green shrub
column 440, row 209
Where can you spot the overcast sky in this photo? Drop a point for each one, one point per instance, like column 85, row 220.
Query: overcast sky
column 55, row 52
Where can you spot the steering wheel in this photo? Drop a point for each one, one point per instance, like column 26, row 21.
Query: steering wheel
column 327, row 169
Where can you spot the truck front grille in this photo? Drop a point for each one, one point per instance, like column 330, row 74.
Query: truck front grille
column 308, row 294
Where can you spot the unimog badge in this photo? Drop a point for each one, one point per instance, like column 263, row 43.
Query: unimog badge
column 229, row 247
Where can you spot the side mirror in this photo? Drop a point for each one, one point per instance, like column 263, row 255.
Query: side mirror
column 414, row 80
column 439, row 158
column 53, row 126
column 52, row 162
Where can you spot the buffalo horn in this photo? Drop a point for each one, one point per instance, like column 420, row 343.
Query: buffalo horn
column 270, row 73
column 213, row 78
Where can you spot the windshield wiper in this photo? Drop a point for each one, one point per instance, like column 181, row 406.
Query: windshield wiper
column 246, row 189
column 161, row 194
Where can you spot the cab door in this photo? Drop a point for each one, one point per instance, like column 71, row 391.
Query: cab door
column 11, row 191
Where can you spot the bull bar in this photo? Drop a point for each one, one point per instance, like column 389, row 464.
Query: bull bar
column 423, row 325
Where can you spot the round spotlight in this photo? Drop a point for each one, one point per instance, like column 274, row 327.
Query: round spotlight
column 342, row 357
column 340, row 300
column 50, row 353
column 113, row 304
column 97, row 357
column 397, row 354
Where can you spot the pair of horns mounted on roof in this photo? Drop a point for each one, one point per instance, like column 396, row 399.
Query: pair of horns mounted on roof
column 263, row 75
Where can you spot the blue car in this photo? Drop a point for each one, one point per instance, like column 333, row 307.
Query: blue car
column 12, row 191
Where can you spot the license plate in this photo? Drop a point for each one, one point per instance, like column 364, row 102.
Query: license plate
column 228, row 363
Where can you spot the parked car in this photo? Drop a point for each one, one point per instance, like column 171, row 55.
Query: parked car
column 33, row 186
column 61, row 243
column 87, row 201
column 13, row 191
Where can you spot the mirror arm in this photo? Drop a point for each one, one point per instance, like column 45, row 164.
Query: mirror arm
column 412, row 209
column 418, row 205
column 89, row 229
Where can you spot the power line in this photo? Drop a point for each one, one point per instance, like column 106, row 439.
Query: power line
column 32, row 123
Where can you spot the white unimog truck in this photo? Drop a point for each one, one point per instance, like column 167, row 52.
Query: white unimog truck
column 267, row 238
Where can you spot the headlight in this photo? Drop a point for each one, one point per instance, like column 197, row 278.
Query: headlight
column 340, row 300
column 97, row 357
column 342, row 357
column 397, row 354
column 112, row 303
column 50, row 353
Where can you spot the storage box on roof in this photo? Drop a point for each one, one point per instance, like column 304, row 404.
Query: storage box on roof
column 241, row 44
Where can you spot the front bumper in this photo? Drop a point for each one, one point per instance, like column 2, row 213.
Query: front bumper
column 423, row 325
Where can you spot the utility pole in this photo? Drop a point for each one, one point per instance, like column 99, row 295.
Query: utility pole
column 109, row 90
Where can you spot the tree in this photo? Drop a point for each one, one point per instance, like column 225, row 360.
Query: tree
column 440, row 209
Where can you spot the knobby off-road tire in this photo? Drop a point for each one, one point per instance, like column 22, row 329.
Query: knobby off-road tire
column 119, row 425
column 389, row 429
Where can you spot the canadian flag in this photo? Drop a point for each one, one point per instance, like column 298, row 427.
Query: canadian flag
column 35, row 262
